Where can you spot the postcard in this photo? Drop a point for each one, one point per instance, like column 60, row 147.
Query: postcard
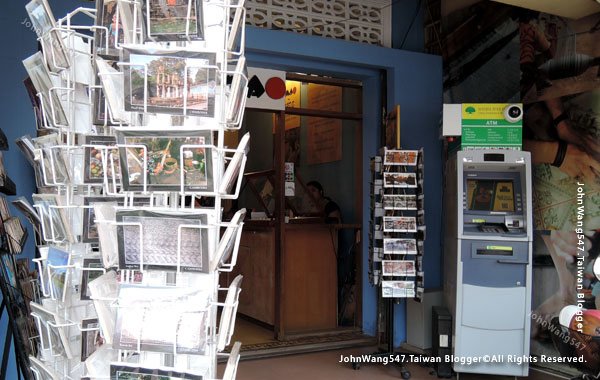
column 42, row 371
column 399, row 246
column 94, row 159
column 399, row 202
column 234, row 166
column 51, row 337
column 91, row 338
column 399, row 224
column 82, row 108
column 173, row 20
column 15, row 233
column 162, row 319
column 32, row 93
column 44, row 24
column 171, row 82
column 4, row 212
column 230, row 239
column 104, row 215
column 162, row 242
column 108, row 36
column 113, row 88
column 53, row 159
column 91, row 269
column 397, row 289
column 164, row 167
column 400, row 157
column 130, row 17
column 25, row 144
column 52, row 106
column 100, row 107
column 54, row 221
column 90, row 229
column 238, row 92
column 9, row 275
column 124, row 371
column 104, row 291
column 58, row 274
column 35, row 103
column 398, row 268
column 234, row 41
column 394, row 179
column 228, row 314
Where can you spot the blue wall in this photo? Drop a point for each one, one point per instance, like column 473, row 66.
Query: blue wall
column 414, row 81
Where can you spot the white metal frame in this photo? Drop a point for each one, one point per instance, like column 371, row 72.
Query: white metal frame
column 227, row 163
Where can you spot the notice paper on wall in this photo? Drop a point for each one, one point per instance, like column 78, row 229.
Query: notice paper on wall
column 290, row 183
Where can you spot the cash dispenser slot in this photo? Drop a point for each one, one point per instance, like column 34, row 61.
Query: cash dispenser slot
column 492, row 228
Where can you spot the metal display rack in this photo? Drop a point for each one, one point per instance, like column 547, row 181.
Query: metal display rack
column 397, row 232
column 179, row 248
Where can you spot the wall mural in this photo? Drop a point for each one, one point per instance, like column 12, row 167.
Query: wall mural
column 560, row 88
column 498, row 53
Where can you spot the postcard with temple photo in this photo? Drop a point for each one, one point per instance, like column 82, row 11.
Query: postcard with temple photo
column 173, row 20
column 170, row 82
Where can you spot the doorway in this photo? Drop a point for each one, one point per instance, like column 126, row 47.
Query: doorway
column 302, row 279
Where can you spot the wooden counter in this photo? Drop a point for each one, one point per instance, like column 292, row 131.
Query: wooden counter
column 256, row 262
column 308, row 276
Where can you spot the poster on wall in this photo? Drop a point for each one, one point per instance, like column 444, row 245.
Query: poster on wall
column 562, row 132
column 324, row 134
column 558, row 55
column 480, row 44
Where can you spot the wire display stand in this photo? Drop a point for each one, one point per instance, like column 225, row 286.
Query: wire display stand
column 125, row 152
column 397, row 233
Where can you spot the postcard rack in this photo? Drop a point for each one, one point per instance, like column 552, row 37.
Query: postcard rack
column 133, row 177
column 397, row 227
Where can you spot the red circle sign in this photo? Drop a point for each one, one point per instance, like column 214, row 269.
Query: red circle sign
column 275, row 88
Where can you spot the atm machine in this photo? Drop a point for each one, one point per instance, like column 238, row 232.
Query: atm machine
column 487, row 260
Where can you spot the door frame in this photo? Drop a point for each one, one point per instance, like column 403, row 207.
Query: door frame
column 413, row 80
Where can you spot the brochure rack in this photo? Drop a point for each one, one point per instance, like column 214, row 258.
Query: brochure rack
column 133, row 173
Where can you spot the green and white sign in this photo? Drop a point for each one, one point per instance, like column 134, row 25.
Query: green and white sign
column 492, row 126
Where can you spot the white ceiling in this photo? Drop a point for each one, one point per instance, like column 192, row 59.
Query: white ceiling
column 574, row 9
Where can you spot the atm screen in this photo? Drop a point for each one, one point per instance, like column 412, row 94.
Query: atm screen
column 490, row 195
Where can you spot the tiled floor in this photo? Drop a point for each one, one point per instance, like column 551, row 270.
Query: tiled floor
column 326, row 366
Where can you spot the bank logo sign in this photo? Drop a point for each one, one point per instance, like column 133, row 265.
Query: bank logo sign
column 492, row 126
